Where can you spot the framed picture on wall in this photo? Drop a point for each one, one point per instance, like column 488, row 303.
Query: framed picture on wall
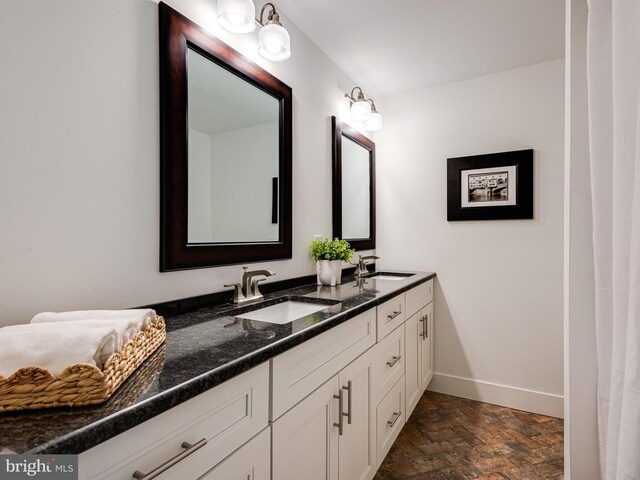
column 495, row 186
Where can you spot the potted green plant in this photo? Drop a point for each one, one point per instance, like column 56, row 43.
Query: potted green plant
column 329, row 255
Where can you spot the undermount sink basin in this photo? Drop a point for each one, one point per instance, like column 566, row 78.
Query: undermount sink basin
column 392, row 276
column 284, row 312
column 388, row 277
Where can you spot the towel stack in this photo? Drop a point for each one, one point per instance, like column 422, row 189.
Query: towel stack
column 54, row 341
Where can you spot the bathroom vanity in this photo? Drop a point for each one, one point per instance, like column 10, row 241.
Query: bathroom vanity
column 322, row 396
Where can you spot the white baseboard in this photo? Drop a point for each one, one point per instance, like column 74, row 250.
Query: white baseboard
column 503, row 395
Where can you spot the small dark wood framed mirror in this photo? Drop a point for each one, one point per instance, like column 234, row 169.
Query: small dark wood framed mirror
column 354, row 186
column 225, row 148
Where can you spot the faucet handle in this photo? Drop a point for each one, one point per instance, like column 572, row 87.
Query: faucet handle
column 237, row 292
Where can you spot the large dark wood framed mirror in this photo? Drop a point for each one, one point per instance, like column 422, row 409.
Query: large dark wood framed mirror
column 354, row 186
column 225, row 152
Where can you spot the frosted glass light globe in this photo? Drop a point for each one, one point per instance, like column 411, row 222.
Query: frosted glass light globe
column 274, row 42
column 360, row 111
column 237, row 16
column 374, row 123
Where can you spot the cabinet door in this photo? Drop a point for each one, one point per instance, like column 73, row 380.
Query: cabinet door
column 413, row 345
column 251, row 462
column 305, row 440
column 426, row 347
column 390, row 419
column 356, row 455
column 298, row 372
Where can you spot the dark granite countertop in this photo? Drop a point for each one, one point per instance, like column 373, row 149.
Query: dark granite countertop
column 203, row 349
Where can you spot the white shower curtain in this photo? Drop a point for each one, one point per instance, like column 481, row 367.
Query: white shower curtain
column 613, row 72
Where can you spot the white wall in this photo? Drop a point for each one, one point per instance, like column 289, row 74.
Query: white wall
column 80, row 206
column 498, row 318
column 242, row 188
column 581, row 435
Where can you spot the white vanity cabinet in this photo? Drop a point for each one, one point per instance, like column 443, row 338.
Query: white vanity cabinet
column 327, row 409
column 343, row 429
column 330, row 434
column 418, row 330
column 189, row 440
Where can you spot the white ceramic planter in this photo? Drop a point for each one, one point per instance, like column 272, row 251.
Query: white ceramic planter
column 329, row 272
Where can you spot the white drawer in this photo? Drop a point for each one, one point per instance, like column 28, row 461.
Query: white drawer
column 251, row 462
column 389, row 420
column 418, row 297
column 390, row 316
column 225, row 416
column 299, row 371
column 388, row 363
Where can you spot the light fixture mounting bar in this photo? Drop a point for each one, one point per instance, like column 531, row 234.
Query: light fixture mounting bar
column 273, row 16
column 352, row 98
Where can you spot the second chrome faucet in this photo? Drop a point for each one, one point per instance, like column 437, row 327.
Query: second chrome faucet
column 247, row 291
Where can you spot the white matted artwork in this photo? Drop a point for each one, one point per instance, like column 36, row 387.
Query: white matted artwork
column 488, row 187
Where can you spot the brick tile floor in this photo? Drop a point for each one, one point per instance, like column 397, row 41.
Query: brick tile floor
column 451, row 438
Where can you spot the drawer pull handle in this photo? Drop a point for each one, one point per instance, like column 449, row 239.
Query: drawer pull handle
column 349, row 402
column 340, row 423
column 189, row 449
column 394, row 419
column 394, row 314
column 395, row 360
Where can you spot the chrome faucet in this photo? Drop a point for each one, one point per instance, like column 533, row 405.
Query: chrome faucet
column 361, row 269
column 247, row 291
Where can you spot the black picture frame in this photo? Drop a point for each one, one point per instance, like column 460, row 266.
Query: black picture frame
column 340, row 129
column 177, row 34
column 515, row 203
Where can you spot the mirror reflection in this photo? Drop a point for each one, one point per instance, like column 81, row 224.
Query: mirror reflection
column 354, row 186
column 233, row 157
column 356, row 191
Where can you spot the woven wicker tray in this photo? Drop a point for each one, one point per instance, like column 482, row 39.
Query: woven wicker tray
column 81, row 384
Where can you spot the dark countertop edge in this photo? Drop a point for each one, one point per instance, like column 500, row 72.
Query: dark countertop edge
column 130, row 417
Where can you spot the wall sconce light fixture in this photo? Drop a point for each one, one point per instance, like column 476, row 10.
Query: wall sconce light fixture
column 364, row 110
column 238, row 16
column 374, row 122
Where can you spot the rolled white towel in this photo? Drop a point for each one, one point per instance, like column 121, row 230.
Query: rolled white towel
column 56, row 345
column 139, row 318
